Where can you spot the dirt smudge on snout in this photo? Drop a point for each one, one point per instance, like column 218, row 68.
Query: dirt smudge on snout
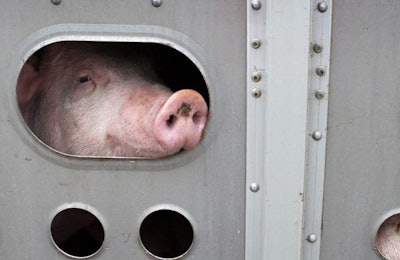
column 184, row 110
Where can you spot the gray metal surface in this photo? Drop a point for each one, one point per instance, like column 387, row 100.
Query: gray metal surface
column 277, row 128
column 362, row 164
column 317, row 127
column 207, row 183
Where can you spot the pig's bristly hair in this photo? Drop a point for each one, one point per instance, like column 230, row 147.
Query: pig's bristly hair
column 128, row 60
column 61, row 117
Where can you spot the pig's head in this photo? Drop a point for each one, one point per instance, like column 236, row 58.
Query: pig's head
column 90, row 99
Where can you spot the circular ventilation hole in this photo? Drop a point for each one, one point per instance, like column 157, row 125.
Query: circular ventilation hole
column 388, row 238
column 77, row 233
column 166, row 234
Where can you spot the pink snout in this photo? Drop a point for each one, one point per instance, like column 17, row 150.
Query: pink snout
column 181, row 121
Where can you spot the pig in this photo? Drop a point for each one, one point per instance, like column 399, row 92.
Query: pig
column 106, row 99
column 388, row 238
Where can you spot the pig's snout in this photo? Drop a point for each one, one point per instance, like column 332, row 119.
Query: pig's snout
column 181, row 120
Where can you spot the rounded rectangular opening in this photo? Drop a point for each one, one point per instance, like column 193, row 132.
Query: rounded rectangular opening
column 113, row 99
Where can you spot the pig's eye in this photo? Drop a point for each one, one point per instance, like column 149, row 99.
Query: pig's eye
column 85, row 78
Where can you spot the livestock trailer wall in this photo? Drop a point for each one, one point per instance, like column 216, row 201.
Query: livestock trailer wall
column 277, row 175
column 204, row 187
column 363, row 144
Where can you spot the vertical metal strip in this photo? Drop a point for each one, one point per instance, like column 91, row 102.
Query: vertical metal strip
column 276, row 127
column 317, row 126
column 256, row 98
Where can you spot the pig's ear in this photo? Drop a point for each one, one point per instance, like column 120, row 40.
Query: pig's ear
column 29, row 80
column 31, row 76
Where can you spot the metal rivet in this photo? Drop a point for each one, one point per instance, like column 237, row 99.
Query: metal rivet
column 321, row 71
column 319, row 94
column 254, row 187
column 317, row 135
column 256, row 92
column 256, row 4
column 156, row 3
column 312, row 238
column 322, row 7
column 317, row 48
column 256, row 76
column 56, row 2
column 255, row 43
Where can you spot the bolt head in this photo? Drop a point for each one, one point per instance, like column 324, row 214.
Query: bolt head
column 312, row 238
column 256, row 76
column 256, row 92
column 254, row 187
column 317, row 48
column 255, row 43
column 256, row 4
column 317, row 135
column 321, row 71
column 156, row 3
column 320, row 94
column 322, row 7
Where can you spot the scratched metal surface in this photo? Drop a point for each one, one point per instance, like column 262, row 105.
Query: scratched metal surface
column 207, row 183
column 363, row 145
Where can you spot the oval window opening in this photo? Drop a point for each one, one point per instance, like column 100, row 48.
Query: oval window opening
column 166, row 234
column 77, row 233
column 113, row 100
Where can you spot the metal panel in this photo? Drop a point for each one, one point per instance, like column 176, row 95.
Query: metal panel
column 363, row 146
column 317, row 127
column 206, row 184
column 277, row 129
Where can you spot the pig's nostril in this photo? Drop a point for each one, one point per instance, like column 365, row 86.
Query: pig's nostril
column 171, row 120
column 196, row 118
